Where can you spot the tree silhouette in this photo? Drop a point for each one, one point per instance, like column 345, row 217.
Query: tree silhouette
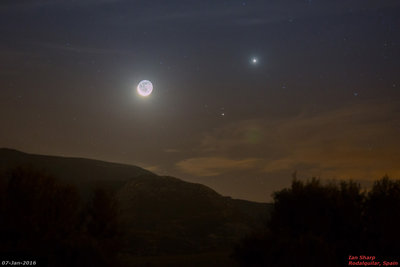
column 103, row 225
column 37, row 213
column 382, row 216
column 321, row 225
column 46, row 221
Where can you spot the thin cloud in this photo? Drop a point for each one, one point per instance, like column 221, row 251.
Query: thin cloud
column 213, row 166
column 171, row 150
column 80, row 49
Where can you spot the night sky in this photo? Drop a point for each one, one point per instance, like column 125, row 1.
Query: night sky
column 322, row 98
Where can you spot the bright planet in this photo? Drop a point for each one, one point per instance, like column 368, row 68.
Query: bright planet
column 145, row 88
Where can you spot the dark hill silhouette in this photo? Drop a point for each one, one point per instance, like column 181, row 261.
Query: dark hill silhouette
column 159, row 214
column 78, row 171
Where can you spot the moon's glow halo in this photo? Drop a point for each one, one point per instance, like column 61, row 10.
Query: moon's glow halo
column 145, row 88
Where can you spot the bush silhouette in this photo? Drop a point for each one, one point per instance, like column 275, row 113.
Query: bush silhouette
column 321, row 225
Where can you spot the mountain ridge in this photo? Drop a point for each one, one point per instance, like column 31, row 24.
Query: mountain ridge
column 161, row 214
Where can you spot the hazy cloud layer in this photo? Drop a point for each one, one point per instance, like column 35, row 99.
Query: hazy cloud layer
column 335, row 144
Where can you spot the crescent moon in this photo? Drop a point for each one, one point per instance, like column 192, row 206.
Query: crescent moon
column 145, row 88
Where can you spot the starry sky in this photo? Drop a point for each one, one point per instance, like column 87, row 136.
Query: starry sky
column 322, row 99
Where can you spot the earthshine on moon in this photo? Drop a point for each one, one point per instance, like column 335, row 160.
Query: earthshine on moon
column 145, row 88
